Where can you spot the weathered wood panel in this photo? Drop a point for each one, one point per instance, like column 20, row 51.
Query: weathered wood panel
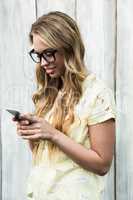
column 97, row 23
column 98, row 26
column 16, row 88
column 124, row 95
column 0, row 134
column 56, row 5
column 0, row 160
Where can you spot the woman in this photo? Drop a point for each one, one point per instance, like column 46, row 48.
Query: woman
column 72, row 132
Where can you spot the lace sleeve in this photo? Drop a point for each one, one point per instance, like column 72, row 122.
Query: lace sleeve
column 103, row 108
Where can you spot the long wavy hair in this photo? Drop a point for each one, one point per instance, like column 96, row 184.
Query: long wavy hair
column 59, row 31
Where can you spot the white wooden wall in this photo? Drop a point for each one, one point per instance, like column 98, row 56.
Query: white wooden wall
column 107, row 30
column 124, row 96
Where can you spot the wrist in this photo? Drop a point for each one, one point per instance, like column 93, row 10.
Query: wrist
column 55, row 136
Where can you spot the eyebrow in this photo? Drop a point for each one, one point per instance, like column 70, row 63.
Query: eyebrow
column 48, row 49
column 37, row 51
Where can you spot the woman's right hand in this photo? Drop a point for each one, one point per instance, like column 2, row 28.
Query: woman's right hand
column 21, row 122
column 24, row 122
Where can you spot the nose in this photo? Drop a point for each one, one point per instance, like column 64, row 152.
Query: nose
column 44, row 62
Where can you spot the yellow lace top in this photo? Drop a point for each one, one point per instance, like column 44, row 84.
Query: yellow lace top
column 64, row 179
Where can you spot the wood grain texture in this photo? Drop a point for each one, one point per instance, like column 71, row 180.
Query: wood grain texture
column 0, row 129
column 0, row 159
column 16, row 88
column 97, row 23
column 56, row 5
column 124, row 95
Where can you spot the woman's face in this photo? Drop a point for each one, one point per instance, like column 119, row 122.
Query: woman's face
column 54, row 62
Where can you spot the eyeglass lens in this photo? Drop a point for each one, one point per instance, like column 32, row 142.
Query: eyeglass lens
column 48, row 55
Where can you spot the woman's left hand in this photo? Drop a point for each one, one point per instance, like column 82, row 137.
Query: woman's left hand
column 39, row 128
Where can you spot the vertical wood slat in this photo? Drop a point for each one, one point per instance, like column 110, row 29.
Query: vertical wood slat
column 124, row 96
column 97, row 23
column 16, row 88
column 0, row 157
column 0, row 129
column 58, row 5
column 90, row 32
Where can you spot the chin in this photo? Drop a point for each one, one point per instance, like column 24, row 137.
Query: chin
column 55, row 75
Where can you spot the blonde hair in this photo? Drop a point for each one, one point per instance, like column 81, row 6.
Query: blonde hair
column 59, row 31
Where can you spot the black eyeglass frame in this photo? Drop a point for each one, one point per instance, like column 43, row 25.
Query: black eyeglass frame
column 44, row 55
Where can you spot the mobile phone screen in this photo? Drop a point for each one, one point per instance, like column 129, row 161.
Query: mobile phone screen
column 15, row 113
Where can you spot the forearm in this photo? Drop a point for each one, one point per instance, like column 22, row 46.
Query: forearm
column 86, row 158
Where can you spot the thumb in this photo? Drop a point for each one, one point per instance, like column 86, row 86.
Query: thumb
column 30, row 117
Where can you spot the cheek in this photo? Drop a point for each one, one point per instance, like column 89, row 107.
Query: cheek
column 60, row 62
column 60, row 68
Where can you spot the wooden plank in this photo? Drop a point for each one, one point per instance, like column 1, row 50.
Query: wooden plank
column 0, row 145
column 97, row 23
column 16, row 88
column 0, row 157
column 124, row 96
column 58, row 5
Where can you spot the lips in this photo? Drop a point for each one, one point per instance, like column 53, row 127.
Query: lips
column 50, row 70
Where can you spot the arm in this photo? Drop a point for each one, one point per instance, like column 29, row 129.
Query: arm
column 99, row 157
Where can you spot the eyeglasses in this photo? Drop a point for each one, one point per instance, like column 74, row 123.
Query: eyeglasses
column 48, row 55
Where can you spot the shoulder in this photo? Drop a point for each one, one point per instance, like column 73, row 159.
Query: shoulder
column 96, row 91
column 94, row 85
column 98, row 100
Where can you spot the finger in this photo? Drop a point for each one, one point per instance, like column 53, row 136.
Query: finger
column 37, row 136
column 28, row 132
column 18, row 130
column 24, row 122
column 29, row 117
column 32, row 137
column 13, row 119
column 30, row 127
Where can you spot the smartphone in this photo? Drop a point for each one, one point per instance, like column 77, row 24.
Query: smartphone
column 15, row 113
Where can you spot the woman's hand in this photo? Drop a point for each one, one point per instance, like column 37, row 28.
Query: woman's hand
column 34, row 128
